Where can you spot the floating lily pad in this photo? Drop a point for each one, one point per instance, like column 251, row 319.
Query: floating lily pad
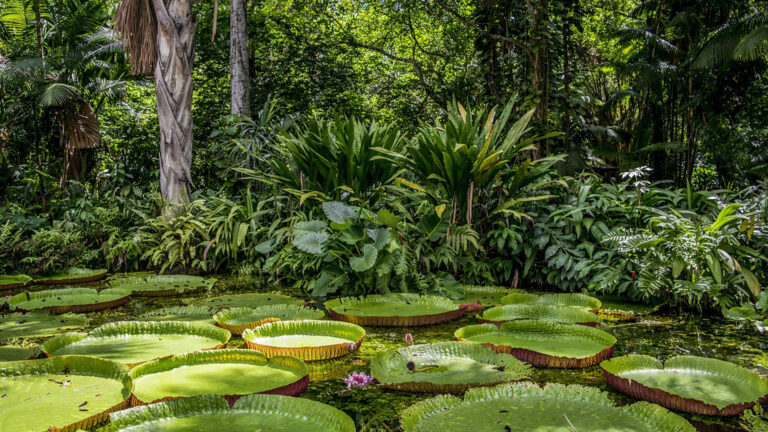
column 562, row 314
column 196, row 314
column 163, row 285
column 38, row 324
column 71, row 276
column 486, row 295
column 16, row 353
column 526, row 407
column 14, row 281
column 250, row 300
column 308, row 340
column 237, row 320
column 398, row 310
column 687, row 383
column 135, row 342
column 62, row 393
column 65, row 300
column 250, row 413
column 614, row 309
column 231, row 373
column 544, row 343
column 445, row 367
column 558, row 299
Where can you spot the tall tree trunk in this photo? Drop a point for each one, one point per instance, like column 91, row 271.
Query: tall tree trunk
column 539, row 61
column 238, row 58
column 173, row 77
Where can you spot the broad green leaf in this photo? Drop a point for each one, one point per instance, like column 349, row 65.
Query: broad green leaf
column 380, row 237
column 311, row 243
column 752, row 282
column 339, row 212
column 366, row 261
column 388, row 218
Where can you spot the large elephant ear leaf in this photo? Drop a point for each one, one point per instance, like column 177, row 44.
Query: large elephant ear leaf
column 309, row 226
column 385, row 217
column 380, row 237
column 265, row 247
column 339, row 212
column 328, row 283
column 365, row 262
column 312, row 242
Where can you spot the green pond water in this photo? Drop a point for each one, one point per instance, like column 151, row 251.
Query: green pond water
column 376, row 409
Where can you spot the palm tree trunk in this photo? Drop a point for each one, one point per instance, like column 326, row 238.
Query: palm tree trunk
column 238, row 58
column 173, row 77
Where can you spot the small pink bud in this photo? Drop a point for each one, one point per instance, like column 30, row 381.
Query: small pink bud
column 409, row 339
column 352, row 346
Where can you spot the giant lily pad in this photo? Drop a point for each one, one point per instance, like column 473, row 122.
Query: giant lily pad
column 16, row 353
column 247, row 300
column 163, row 285
column 36, row 325
column 237, row 320
column 65, row 300
column 197, row 314
column 250, row 413
column 399, row 310
column 526, row 407
column 558, row 299
column 687, row 383
column 616, row 309
column 308, row 340
column 485, row 295
column 231, row 373
column 445, row 367
column 544, row 343
column 562, row 314
column 14, row 281
column 71, row 276
column 62, row 393
column 135, row 342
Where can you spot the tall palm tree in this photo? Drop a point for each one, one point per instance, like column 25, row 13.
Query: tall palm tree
column 159, row 35
column 745, row 39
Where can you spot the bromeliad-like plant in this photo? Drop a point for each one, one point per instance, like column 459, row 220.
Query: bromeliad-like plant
column 459, row 160
column 329, row 159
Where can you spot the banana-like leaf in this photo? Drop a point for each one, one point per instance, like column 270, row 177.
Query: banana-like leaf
column 250, row 413
column 445, row 367
column 692, row 384
column 544, row 343
column 135, row 342
column 525, row 407
column 63, row 393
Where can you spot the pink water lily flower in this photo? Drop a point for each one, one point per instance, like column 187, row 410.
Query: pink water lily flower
column 358, row 379
column 409, row 339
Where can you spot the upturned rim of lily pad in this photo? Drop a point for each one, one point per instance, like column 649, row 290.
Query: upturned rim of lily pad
column 342, row 330
column 14, row 281
column 221, row 336
column 224, row 356
column 666, row 397
column 330, row 419
column 73, row 275
column 76, row 365
column 657, row 418
column 111, row 298
column 558, row 299
column 448, row 310
column 498, row 315
column 546, row 329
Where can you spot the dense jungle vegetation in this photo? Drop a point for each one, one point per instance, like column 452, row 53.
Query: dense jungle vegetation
column 615, row 146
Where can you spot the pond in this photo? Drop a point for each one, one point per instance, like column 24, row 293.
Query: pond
column 377, row 409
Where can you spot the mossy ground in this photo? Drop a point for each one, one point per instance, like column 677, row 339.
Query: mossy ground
column 376, row 409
